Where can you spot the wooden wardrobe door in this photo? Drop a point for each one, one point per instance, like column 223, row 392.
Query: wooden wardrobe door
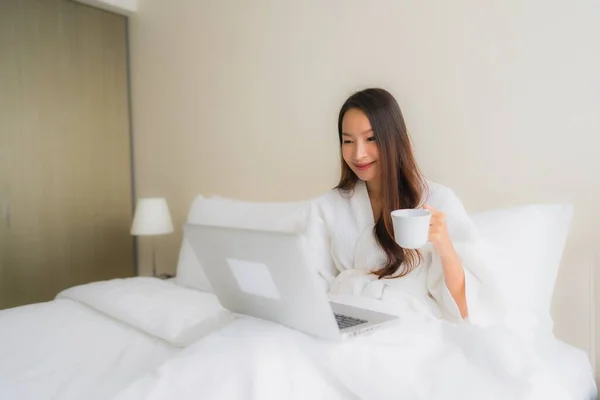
column 66, row 146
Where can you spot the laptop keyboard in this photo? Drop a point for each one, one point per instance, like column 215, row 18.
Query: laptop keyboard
column 345, row 321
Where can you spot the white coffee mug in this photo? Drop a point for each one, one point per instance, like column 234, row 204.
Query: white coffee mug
column 411, row 227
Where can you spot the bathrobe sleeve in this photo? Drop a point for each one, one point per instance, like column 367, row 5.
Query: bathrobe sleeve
column 479, row 285
column 318, row 243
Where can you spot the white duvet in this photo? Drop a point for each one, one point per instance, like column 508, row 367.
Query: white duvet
column 95, row 339
column 65, row 350
column 415, row 358
column 143, row 338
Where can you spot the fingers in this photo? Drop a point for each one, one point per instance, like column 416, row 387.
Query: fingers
column 428, row 207
column 437, row 225
column 438, row 231
column 433, row 211
column 436, row 216
column 439, row 218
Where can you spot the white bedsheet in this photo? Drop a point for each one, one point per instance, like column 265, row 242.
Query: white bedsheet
column 65, row 350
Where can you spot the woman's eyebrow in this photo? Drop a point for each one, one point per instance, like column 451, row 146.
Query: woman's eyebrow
column 362, row 133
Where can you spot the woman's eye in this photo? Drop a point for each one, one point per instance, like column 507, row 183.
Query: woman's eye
column 371, row 139
column 347, row 141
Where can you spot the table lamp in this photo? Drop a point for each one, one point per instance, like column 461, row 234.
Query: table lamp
column 152, row 218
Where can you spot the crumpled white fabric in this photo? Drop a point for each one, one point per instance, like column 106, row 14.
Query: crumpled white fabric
column 415, row 358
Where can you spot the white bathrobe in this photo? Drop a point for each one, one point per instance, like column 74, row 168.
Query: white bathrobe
column 341, row 226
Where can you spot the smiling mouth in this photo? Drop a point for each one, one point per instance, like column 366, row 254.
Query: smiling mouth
column 363, row 167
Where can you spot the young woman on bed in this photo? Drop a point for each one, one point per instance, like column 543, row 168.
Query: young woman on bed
column 379, row 175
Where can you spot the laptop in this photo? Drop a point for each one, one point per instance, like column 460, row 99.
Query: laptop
column 266, row 275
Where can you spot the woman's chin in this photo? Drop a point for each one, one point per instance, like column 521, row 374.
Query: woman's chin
column 365, row 176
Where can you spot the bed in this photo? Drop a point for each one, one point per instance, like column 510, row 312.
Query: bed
column 94, row 339
column 146, row 338
column 63, row 349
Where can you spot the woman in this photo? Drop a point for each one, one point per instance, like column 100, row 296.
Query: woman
column 379, row 175
column 434, row 290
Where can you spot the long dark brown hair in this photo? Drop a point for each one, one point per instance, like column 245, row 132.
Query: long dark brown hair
column 402, row 184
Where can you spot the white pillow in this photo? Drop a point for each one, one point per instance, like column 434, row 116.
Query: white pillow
column 162, row 309
column 526, row 244
column 268, row 216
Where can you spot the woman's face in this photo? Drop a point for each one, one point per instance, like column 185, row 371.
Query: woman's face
column 359, row 148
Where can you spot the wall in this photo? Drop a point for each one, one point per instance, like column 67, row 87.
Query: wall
column 124, row 7
column 502, row 99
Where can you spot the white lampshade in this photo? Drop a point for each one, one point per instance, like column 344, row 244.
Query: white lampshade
column 152, row 217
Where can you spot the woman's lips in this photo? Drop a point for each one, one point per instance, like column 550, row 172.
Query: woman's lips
column 363, row 167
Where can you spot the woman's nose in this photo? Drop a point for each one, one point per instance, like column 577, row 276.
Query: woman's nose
column 360, row 151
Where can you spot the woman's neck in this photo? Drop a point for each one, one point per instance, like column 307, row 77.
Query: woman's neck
column 374, row 189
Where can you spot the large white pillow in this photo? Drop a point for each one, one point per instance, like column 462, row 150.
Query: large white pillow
column 162, row 309
column 525, row 245
column 220, row 211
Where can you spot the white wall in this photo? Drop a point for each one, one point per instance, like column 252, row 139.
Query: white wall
column 502, row 98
